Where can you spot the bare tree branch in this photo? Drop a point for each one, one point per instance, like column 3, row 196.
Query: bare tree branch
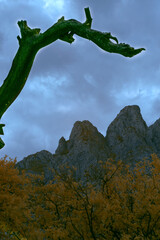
column 31, row 41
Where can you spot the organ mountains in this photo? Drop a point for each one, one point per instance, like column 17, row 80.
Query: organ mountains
column 128, row 138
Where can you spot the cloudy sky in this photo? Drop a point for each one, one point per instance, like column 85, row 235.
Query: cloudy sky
column 79, row 81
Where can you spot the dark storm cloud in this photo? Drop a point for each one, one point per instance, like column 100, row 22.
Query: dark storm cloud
column 79, row 81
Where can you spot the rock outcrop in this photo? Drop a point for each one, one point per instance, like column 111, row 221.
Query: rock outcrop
column 38, row 163
column 154, row 135
column 85, row 146
column 127, row 138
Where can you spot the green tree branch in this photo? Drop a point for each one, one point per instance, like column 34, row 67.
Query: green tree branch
column 31, row 41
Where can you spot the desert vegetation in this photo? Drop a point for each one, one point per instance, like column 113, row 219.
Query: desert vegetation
column 112, row 202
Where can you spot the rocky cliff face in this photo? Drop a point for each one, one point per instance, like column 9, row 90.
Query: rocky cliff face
column 128, row 138
column 85, row 146
column 38, row 163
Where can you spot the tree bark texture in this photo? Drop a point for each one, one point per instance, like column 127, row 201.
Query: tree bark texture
column 31, row 41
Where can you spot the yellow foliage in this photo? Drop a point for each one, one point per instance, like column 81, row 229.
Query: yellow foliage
column 120, row 204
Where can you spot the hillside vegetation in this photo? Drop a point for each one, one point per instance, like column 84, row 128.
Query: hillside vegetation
column 113, row 202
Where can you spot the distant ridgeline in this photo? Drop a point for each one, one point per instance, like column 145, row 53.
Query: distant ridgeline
column 128, row 138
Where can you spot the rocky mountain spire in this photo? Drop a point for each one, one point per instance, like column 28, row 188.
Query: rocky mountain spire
column 85, row 146
column 127, row 136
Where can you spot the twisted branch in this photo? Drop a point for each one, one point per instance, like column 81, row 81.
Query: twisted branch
column 31, row 41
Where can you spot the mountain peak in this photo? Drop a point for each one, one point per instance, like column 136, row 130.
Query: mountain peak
column 83, row 130
column 131, row 115
column 126, row 135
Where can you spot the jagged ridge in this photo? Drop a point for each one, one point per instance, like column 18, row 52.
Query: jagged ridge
column 127, row 138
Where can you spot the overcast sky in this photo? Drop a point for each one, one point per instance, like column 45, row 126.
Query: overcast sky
column 79, row 81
